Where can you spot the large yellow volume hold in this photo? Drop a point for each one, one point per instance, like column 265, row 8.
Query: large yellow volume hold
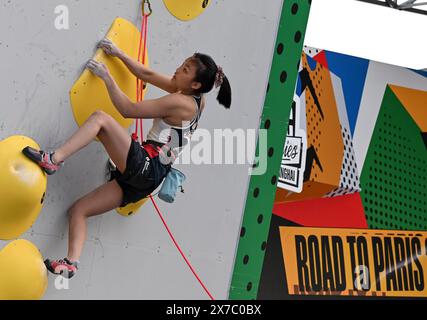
column 89, row 93
column 186, row 10
column 22, row 187
column 23, row 275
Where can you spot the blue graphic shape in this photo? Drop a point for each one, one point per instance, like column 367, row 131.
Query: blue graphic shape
column 352, row 72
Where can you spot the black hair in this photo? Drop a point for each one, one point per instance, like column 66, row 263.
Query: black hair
column 206, row 74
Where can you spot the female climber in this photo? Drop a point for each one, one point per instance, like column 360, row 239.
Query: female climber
column 141, row 169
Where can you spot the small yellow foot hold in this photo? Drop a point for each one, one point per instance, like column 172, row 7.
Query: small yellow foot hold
column 186, row 10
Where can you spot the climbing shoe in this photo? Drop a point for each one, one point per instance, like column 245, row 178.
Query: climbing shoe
column 63, row 267
column 43, row 159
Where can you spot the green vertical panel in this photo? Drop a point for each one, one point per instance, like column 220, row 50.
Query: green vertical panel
column 394, row 177
column 275, row 117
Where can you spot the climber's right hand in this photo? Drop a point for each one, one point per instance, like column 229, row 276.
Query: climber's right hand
column 109, row 47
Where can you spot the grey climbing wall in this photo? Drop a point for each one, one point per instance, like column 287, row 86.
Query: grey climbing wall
column 134, row 258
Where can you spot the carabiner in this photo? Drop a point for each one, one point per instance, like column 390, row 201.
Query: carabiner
column 150, row 11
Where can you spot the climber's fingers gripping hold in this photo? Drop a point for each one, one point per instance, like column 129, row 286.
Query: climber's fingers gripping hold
column 97, row 68
column 109, row 47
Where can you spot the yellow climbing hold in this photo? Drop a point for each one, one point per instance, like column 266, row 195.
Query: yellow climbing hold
column 89, row 92
column 186, row 10
column 131, row 208
column 22, row 187
column 23, row 275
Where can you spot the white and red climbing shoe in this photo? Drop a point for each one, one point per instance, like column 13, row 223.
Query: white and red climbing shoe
column 43, row 159
column 63, row 267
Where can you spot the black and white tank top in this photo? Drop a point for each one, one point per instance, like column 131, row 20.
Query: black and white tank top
column 176, row 138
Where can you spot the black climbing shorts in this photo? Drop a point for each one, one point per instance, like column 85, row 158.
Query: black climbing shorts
column 142, row 176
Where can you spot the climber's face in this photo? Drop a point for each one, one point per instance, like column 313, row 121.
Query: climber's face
column 185, row 75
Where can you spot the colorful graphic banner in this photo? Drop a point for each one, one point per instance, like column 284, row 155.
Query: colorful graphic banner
column 355, row 262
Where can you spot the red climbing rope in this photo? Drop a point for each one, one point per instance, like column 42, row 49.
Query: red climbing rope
column 179, row 249
column 139, row 125
column 145, row 24
column 139, row 82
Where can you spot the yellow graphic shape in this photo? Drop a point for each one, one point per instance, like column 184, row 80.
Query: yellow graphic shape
column 22, row 187
column 186, row 10
column 23, row 275
column 90, row 94
column 323, row 135
column 414, row 102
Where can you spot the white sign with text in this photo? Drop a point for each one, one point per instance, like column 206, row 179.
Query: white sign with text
column 291, row 176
